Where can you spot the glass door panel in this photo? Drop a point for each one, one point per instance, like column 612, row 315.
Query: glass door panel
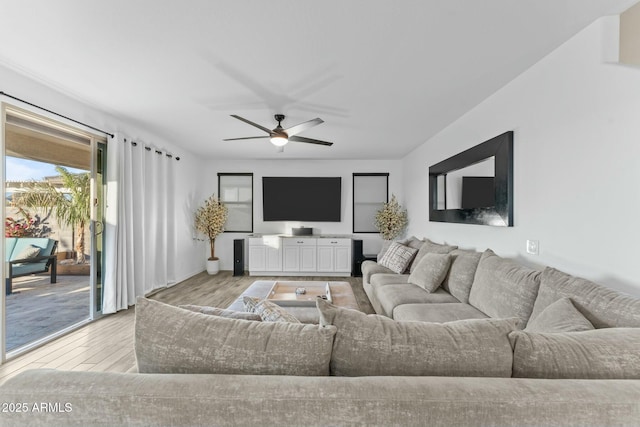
column 53, row 203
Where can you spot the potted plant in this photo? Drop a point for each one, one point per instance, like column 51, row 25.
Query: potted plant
column 209, row 220
column 391, row 220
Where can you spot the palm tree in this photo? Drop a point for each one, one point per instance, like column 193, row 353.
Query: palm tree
column 72, row 209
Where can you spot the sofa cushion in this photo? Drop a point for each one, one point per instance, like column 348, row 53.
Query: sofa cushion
column 27, row 252
column 376, row 345
column 46, row 246
column 461, row 273
column 221, row 312
column 429, row 247
column 603, row 307
column 503, row 288
column 612, row 353
column 391, row 296
column 267, row 310
column 384, row 279
column 414, row 242
column 169, row 339
column 370, row 268
column 431, row 271
column 561, row 316
column 398, row 257
column 436, row 312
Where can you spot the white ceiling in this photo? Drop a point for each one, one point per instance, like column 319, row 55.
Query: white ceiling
column 384, row 75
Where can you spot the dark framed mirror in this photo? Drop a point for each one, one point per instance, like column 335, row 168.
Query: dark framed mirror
column 475, row 186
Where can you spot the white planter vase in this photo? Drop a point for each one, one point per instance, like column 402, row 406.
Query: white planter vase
column 213, row 267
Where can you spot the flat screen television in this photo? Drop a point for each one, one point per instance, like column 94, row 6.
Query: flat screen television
column 478, row 192
column 301, row 198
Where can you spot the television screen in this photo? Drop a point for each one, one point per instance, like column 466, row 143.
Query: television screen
column 478, row 192
column 301, row 199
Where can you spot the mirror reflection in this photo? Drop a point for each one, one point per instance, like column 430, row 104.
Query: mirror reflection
column 467, row 188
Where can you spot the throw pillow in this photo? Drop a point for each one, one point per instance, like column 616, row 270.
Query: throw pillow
column 374, row 345
column 431, row 271
column 385, row 247
column 398, row 257
column 28, row 252
column 213, row 311
column 268, row 311
column 169, row 339
column 561, row 316
column 428, row 247
column 612, row 353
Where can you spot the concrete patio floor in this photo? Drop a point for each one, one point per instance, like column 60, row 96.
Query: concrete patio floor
column 37, row 308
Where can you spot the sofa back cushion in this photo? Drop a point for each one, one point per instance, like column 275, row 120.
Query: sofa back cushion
column 461, row 273
column 561, row 316
column 376, row 345
column 22, row 243
column 603, row 307
column 612, row 353
column 169, row 339
column 503, row 288
column 221, row 312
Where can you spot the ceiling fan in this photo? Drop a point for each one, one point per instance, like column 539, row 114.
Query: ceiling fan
column 280, row 136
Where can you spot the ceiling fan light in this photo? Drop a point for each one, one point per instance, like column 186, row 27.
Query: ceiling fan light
column 279, row 141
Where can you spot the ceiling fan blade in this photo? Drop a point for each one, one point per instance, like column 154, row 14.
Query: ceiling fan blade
column 310, row 140
column 247, row 137
column 294, row 130
column 252, row 123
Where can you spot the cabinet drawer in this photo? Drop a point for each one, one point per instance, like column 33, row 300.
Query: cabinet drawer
column 333, row 242
column 299, row 241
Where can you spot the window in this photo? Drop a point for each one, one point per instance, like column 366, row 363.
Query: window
column 236, row 191
column 370, row 191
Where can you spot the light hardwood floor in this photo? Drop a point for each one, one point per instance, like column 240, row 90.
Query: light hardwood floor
column 107, row 343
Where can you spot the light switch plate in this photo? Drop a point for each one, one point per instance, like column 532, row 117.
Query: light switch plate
column 533, row 247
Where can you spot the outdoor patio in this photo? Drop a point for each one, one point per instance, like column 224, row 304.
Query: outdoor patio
column 38, row 308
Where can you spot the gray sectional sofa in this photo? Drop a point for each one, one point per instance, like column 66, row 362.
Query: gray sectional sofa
column 455, row 355
column 482, row 284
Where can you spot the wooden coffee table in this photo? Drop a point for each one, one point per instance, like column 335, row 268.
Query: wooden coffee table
column 301, row 306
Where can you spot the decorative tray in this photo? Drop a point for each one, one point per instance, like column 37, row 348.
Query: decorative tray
column 298, row 294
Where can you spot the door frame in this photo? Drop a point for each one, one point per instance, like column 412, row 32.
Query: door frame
column 95, row 139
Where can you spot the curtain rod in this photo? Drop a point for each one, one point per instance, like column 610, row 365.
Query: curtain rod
column 146, row 147
column 53, row 112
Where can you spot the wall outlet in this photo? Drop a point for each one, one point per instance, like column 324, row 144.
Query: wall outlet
column 533, row 247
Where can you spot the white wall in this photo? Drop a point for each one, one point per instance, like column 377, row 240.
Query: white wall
column 577, row 163
column 310, row 168
column 188, row 171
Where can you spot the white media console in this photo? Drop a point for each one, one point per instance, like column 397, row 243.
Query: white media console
column 281, row 255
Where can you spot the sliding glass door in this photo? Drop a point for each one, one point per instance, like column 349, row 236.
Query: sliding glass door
column 53, row 241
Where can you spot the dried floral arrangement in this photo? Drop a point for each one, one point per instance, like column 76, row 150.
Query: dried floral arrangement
column 391, row 220
column 210, row 219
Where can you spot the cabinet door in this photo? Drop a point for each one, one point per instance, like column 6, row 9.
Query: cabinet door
column 325, row 258
column 307, row 258
column 342, row 259
column 274, row 258
column 257, row 258
column 291, row 258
